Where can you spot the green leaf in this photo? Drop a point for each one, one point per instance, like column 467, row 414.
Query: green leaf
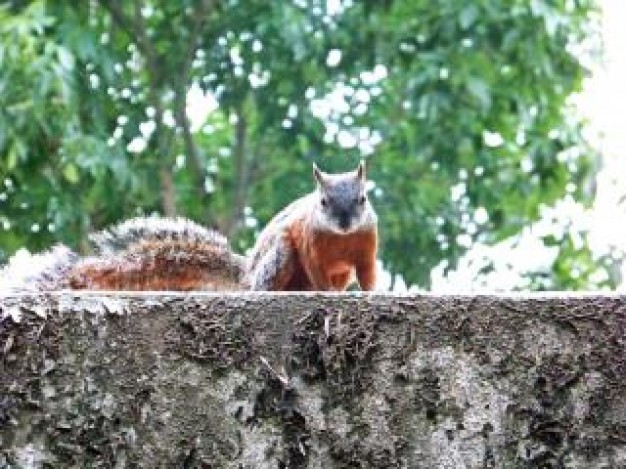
column 468, row 16
column 479, row 89
column 66, row 58
column 70, row 172
column 12, row 158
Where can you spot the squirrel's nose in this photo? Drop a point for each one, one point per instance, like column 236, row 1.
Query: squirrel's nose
column 344, row 221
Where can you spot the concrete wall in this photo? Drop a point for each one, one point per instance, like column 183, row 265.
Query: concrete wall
column 318, row 381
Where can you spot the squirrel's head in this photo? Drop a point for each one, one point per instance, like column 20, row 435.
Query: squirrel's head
column 342, row 200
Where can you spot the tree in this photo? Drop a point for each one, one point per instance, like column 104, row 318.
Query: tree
column 460, row 110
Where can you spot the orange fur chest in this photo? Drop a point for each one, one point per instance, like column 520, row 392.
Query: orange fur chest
column 329, row 259
column 332, row 251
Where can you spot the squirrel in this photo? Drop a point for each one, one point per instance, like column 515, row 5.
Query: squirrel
column 320, row 241
column 317, row 242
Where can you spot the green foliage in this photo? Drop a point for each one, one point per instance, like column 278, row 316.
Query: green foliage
column 460, row 108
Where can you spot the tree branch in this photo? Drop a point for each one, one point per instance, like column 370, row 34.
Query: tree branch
column 199, row 19
column 136, row 29
column 133, row 27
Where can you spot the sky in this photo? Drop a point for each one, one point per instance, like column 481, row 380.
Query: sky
column 603, row 102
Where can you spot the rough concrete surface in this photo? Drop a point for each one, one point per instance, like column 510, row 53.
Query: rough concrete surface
column 318, row 381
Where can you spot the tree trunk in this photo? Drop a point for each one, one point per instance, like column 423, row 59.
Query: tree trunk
column 241, row 173
column 164, row 137
column 198, row 172
column 312, row 380
column 168, row 193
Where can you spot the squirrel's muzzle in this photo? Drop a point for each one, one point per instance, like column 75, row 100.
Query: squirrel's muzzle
column 344, row 220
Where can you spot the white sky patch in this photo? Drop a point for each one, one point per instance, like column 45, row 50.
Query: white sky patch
column 94, row 80
column 321, row 108
column 492, row 139
column 333, row 58
column 457, row 191
column 199, row 106
column 527, row 164
column 333, row 104
column 602, row 102
column 334, row 7
column 235, row 55
column 362, row 95
column 147, row 128
column 147, row 11
column 346, row 139
column 137, row 145
column 481, row 216
column 371, row 77
column 258, row 79
column 168, row 118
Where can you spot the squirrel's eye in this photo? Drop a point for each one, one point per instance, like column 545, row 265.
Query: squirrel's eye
column 362, row 199
column 324, row 202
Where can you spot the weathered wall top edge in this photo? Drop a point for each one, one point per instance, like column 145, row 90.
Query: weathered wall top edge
column 582, row 295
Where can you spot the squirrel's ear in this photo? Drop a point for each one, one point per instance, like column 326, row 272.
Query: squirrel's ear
column 360, row 171
column 318, row 175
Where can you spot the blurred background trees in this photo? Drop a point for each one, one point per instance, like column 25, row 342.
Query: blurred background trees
column 215, row 110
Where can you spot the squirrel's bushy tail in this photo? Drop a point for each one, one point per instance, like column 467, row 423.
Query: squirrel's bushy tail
column 38, row 272
column 159, row 254
column 138, row 254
